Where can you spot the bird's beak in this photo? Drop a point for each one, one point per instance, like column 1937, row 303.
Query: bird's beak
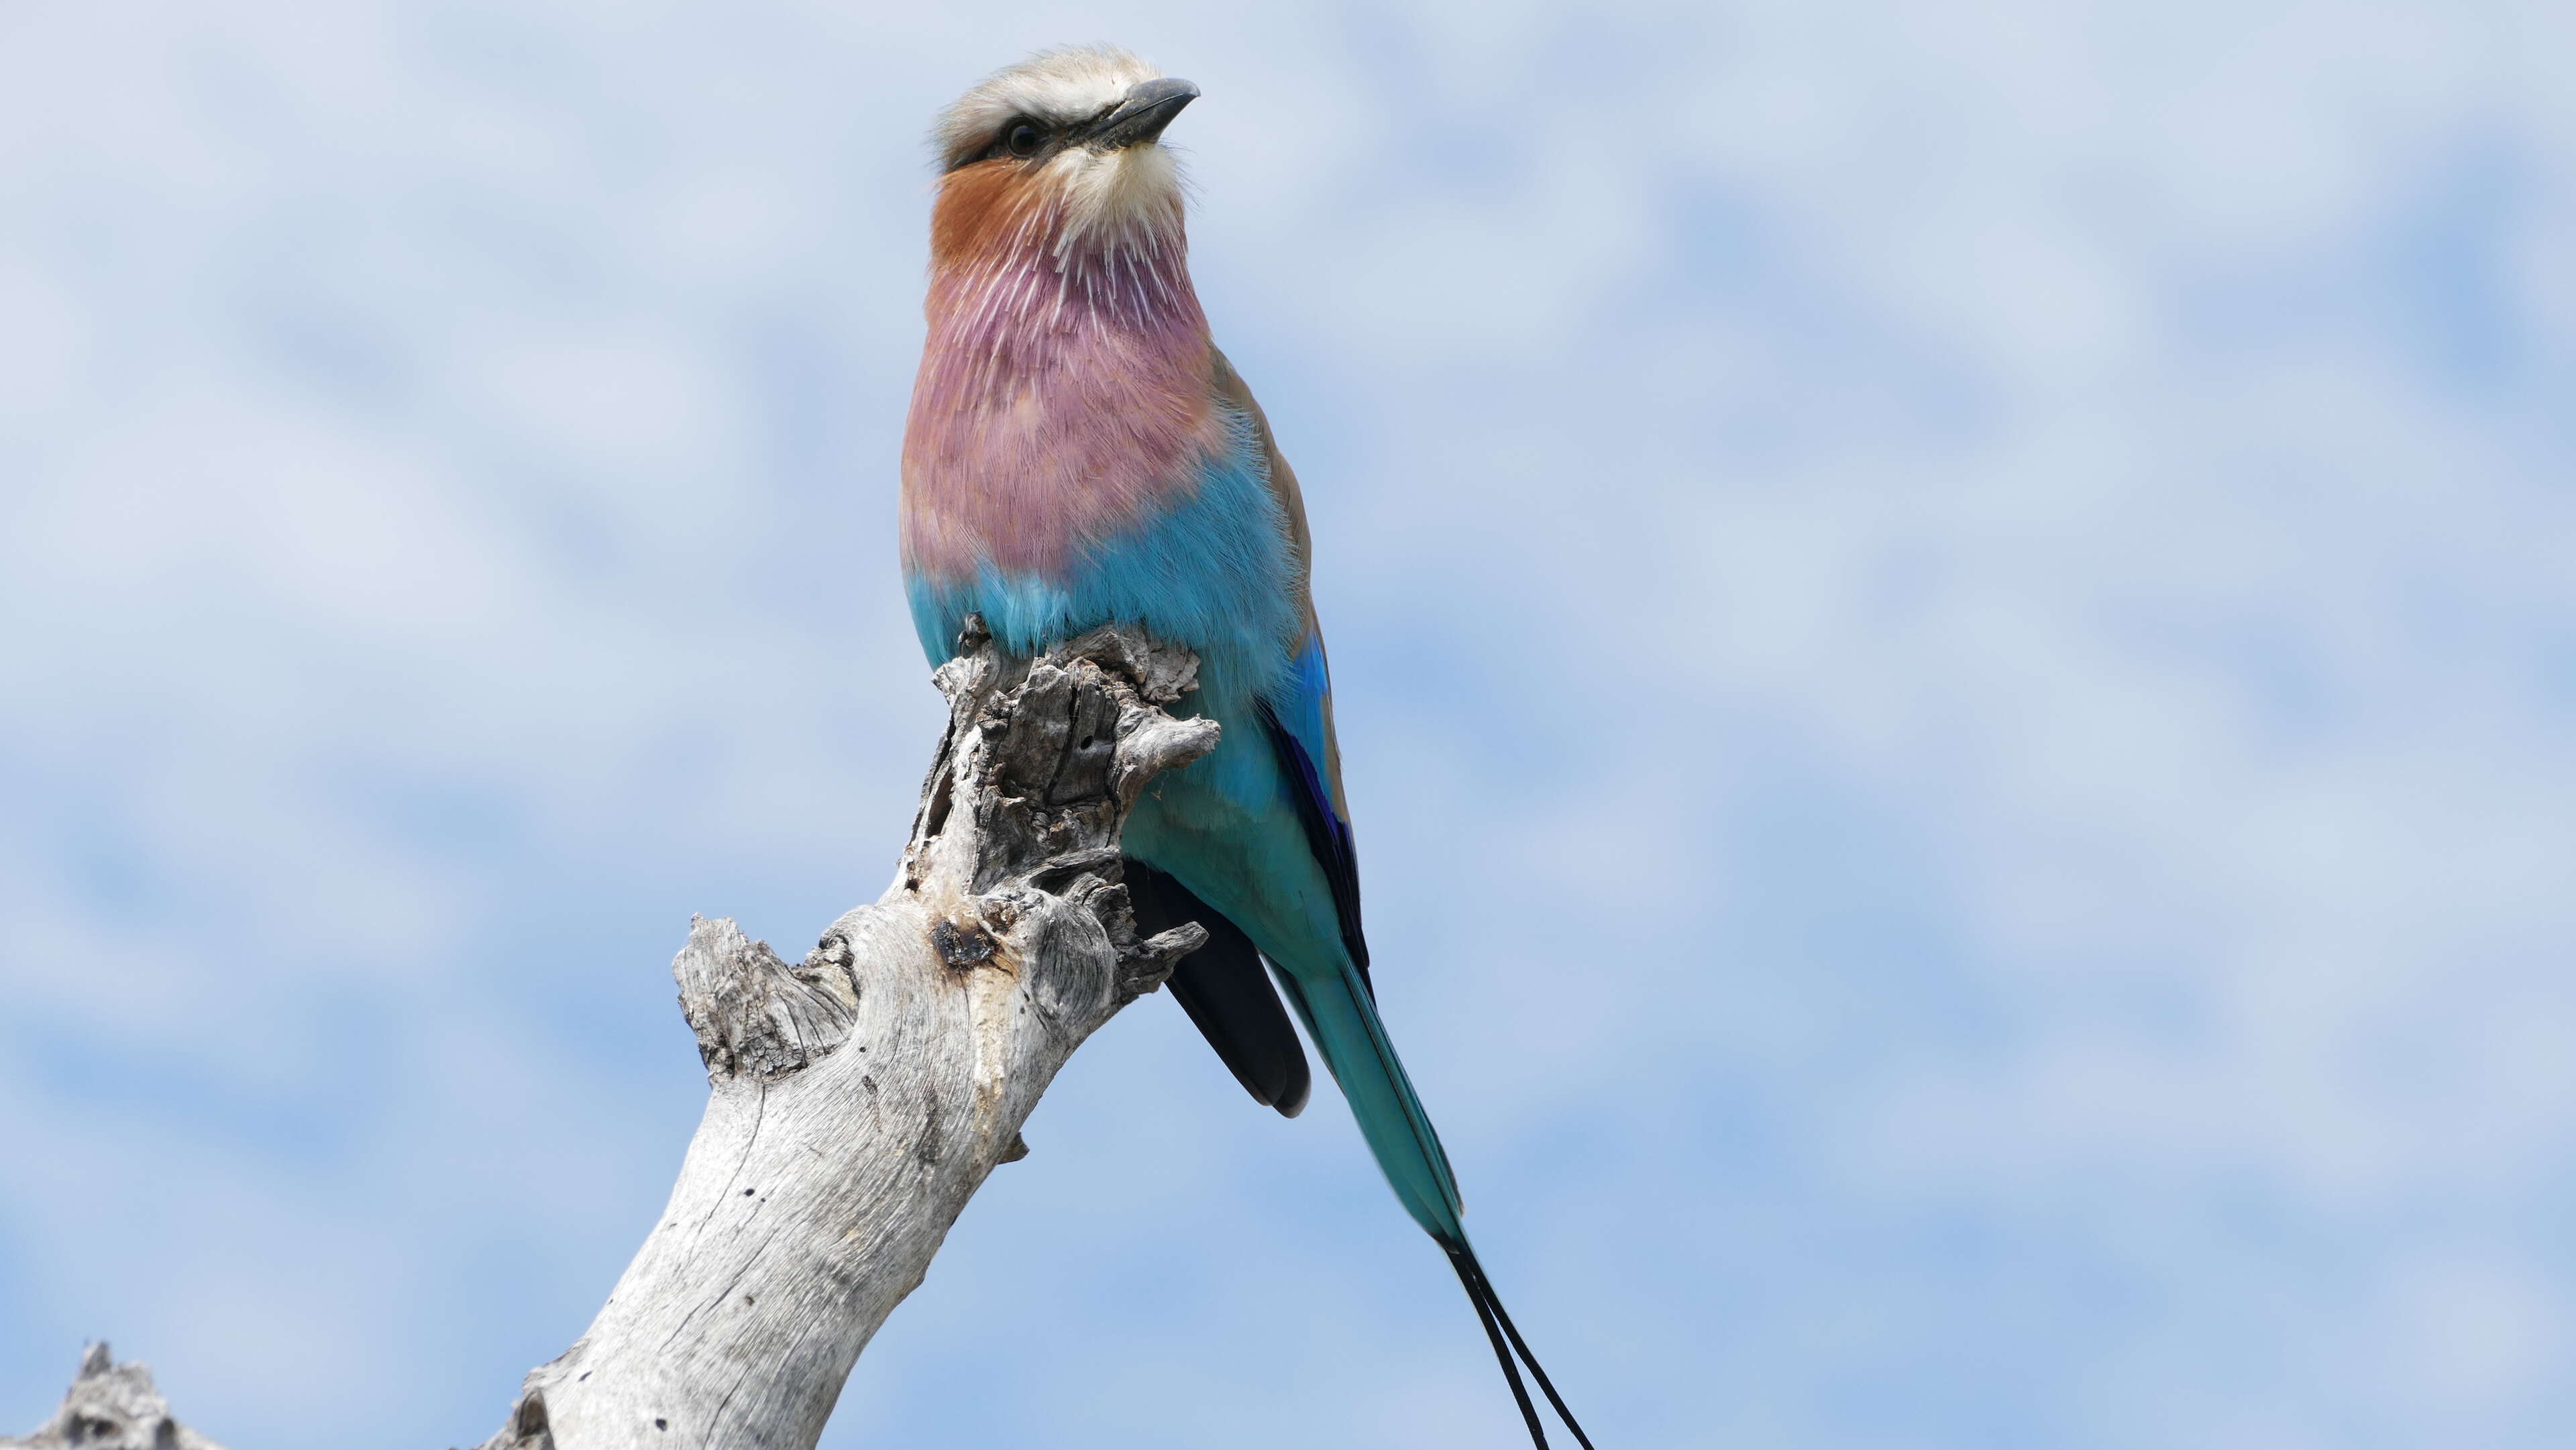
column 1140, row 119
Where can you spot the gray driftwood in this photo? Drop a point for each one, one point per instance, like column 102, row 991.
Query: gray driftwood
column 860, row 1096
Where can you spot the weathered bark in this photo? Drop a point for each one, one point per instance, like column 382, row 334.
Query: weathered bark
column 859, row 1097
column 111, row 1406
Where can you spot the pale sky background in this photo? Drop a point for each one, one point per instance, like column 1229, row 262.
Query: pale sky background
column 1956, row 631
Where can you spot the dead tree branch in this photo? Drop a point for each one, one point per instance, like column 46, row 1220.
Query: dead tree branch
column 111, row 1406
column 860, row 1096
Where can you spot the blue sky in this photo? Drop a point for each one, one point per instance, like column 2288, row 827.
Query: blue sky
column 1955, row 656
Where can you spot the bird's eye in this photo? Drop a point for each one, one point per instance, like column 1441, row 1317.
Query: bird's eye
column 1022, row 140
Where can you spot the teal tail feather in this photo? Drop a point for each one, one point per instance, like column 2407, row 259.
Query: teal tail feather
column 1342, row 1019
column 1341, row 1015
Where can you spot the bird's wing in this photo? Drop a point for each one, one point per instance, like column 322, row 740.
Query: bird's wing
column 1298, row 713
column 1300, row 724
column 1228, row 997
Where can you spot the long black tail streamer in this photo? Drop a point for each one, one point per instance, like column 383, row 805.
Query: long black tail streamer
column 1459, row 1260
column 1498, row 1327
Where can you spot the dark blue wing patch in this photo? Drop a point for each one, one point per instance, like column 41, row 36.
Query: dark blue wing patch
column 1226, row 993
column 1327, row 835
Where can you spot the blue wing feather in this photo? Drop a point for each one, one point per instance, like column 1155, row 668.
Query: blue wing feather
column 1300, row 730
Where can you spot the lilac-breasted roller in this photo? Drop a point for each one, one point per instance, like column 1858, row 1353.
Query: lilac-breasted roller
column 1080, row 454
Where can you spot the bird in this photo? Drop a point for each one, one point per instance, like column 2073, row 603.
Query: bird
column 1079, row 453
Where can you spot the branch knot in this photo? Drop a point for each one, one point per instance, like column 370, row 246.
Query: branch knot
column 753, row 1014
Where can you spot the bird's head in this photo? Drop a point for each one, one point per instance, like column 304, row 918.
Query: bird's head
column 1069, row 140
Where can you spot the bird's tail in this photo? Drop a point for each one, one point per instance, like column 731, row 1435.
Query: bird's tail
column 1342, row 1018
column 1498, row 1330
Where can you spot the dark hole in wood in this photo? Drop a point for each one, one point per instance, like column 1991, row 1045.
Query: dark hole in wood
column 939, row 803
column 961, row 949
